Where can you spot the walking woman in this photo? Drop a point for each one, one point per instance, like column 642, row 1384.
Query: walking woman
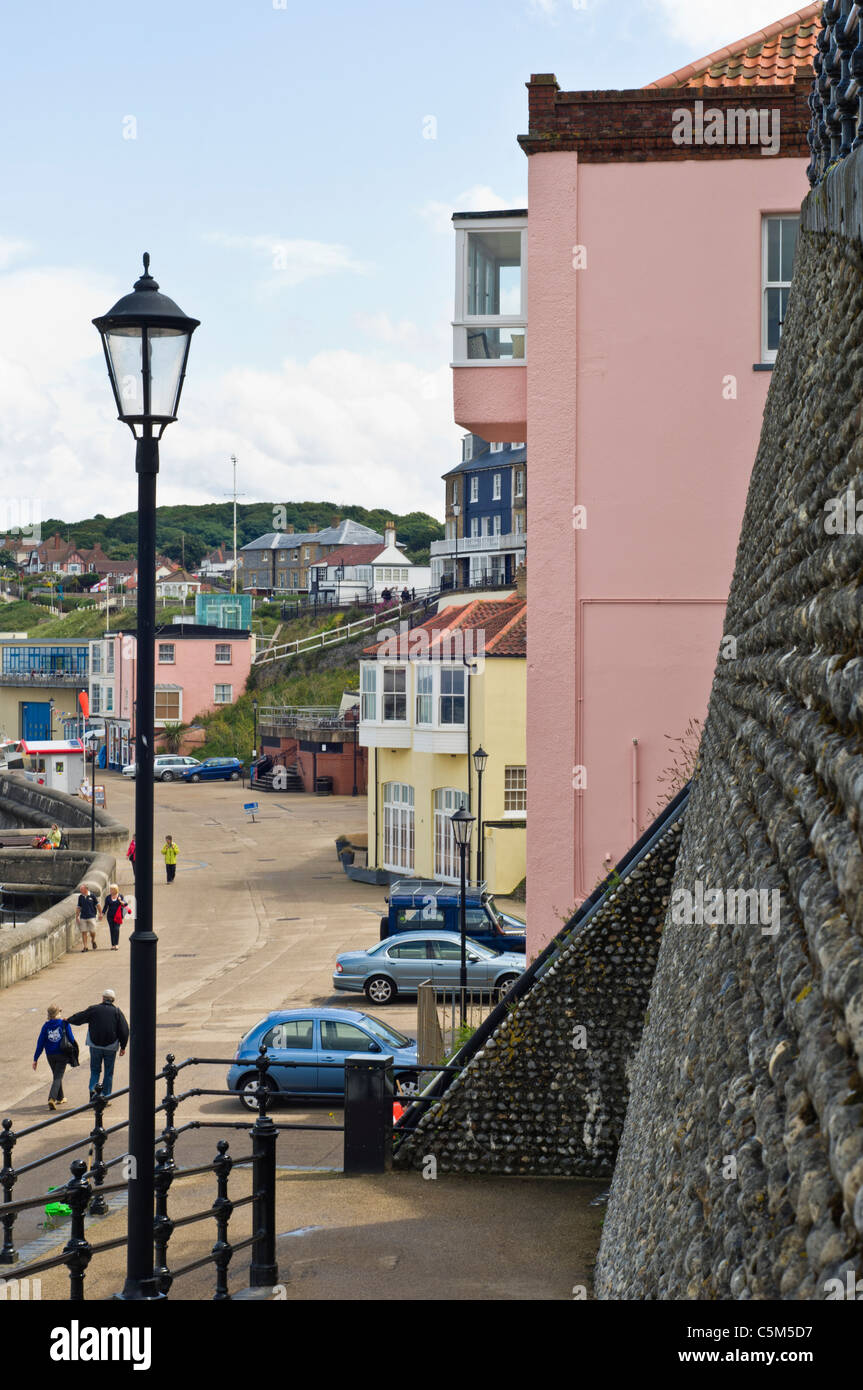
column 114, row 911
column 130, row 853
column 58, row 1044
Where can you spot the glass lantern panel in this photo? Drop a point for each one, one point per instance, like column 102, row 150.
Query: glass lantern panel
column 124, row 355
column 167, row 355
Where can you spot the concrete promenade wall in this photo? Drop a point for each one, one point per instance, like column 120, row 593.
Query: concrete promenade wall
column 740, row 1171
column 25, row 803
column 29, row 947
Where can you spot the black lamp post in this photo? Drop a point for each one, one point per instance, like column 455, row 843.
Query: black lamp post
column 480, row 758
column 456, row 511
column 255, row 735
column 146, row 339
column 462, row 825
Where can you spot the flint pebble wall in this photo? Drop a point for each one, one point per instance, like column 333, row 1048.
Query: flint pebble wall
column 740, row 1172
column 547, row 1093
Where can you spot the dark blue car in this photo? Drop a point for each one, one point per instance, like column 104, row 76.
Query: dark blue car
column 215, row 770
column 301, row 1041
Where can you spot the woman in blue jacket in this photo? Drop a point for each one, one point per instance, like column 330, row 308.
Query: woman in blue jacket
column 55, row 1031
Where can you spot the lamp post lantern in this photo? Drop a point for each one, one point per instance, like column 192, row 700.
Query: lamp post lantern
column 146, row 340
column 462, row 825
column 480, row 758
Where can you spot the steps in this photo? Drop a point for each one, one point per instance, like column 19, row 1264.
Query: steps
column 280, row 779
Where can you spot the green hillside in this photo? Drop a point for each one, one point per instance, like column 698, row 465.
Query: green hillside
column 188, row 532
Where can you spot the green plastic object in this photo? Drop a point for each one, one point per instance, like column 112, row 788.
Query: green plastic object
column 58, row 1209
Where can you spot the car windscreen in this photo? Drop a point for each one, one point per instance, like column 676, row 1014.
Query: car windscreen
column 386, row 1033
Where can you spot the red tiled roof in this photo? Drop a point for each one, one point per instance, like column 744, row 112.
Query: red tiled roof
column 354, row 555
column 503, row 623
column 779, row 55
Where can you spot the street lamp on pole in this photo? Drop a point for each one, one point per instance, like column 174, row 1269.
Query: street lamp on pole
column 480, row 758
column 146, row 340
column 462, row 825
column 456, row 511
column 255, row 735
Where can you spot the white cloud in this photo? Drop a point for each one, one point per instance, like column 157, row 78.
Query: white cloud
column 348, row 426
column 479, row 198
column 711, row 24
column 291, row 261
column 11, row 250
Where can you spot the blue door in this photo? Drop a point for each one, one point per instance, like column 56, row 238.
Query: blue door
column 339, row 1039
column 35, row 719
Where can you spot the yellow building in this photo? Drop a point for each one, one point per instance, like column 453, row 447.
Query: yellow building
column 430, row 697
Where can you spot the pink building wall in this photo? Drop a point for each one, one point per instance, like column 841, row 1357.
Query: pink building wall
column 630, row 415
column 195, row 669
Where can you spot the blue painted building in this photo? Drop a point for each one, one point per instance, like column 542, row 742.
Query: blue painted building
column 486, row 506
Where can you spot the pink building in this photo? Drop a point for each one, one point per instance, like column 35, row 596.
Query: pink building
column 657, row 252
column 198, row 668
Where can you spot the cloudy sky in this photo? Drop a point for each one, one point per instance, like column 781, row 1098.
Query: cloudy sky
column 273, row 156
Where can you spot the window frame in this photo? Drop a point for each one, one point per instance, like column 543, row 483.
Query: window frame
column 515, row 790
column 220, row 685
column 166, row 660
column 450, row 674
column 224, row 660
column 462, row 320
column 769, row 354
column 397, row 695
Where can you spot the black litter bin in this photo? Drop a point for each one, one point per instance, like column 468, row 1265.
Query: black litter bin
column 323, row 786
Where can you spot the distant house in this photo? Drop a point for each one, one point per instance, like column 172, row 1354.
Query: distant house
column 282, row 561
column 362, row 573
column 178, row 585
column 218, row 562
column 486, row 536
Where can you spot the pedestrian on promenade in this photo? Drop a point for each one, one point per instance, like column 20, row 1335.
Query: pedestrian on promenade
column 86, row 912
column 130, row 853
column 107, row 1034
column 170, row 851
column 58, row 1043
column 55, row 835
column 115, row 910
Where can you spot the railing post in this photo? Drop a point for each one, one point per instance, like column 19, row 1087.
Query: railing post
column 98, row 1169
column 263, row 1270
column 163, row 1226
column 8, row 1178
column 368, row 1114
column 222, row 1208
column 77, row 1248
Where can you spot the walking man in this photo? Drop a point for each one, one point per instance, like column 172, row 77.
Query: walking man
column 107, row 1034
column 170, row 851
column 86, row 912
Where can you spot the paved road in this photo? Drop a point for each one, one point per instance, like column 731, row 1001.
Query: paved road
column 253, row 922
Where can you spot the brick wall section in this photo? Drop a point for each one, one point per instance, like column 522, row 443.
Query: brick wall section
column 547, row 1094
column 636, row 125
column 740, row 1173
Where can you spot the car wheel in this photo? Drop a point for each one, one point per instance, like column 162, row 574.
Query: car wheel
column 167, row 776
column 235, row 776
column 504, row 984
column 248, row 1088
column 380, row 989
column 408, row 1085
column 195, row 777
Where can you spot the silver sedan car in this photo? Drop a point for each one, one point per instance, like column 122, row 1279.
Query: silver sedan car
column 399, row 964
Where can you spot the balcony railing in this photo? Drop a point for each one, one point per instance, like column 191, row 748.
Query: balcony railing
column 44, row 678
column 837, row 92
column 292, row 719
column 471, row 545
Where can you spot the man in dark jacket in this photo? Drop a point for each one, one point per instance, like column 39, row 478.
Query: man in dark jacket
column 107, row 1033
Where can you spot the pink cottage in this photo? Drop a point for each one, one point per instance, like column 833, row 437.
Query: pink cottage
column 626, row 330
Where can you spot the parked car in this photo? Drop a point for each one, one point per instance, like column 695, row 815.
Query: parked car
column 167, row 767
column 309, row 1038
column 215, row 770
column 400, row 964
column 417, row 904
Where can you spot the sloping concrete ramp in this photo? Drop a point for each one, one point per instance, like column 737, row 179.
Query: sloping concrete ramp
column 545, row 1082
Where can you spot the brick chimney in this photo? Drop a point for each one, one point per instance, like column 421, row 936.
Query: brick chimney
column 521, row 581
column 336, row 521
column 289, row 530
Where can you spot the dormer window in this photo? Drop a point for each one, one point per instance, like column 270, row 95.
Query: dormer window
column 495, row 448
column 491, row 300
column 466, row 453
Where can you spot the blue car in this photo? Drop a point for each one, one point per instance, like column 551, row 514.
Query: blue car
column 215, row 770
column 299, row 1041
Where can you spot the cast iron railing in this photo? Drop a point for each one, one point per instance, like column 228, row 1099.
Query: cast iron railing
column 836, row 100
column 368, row 1134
